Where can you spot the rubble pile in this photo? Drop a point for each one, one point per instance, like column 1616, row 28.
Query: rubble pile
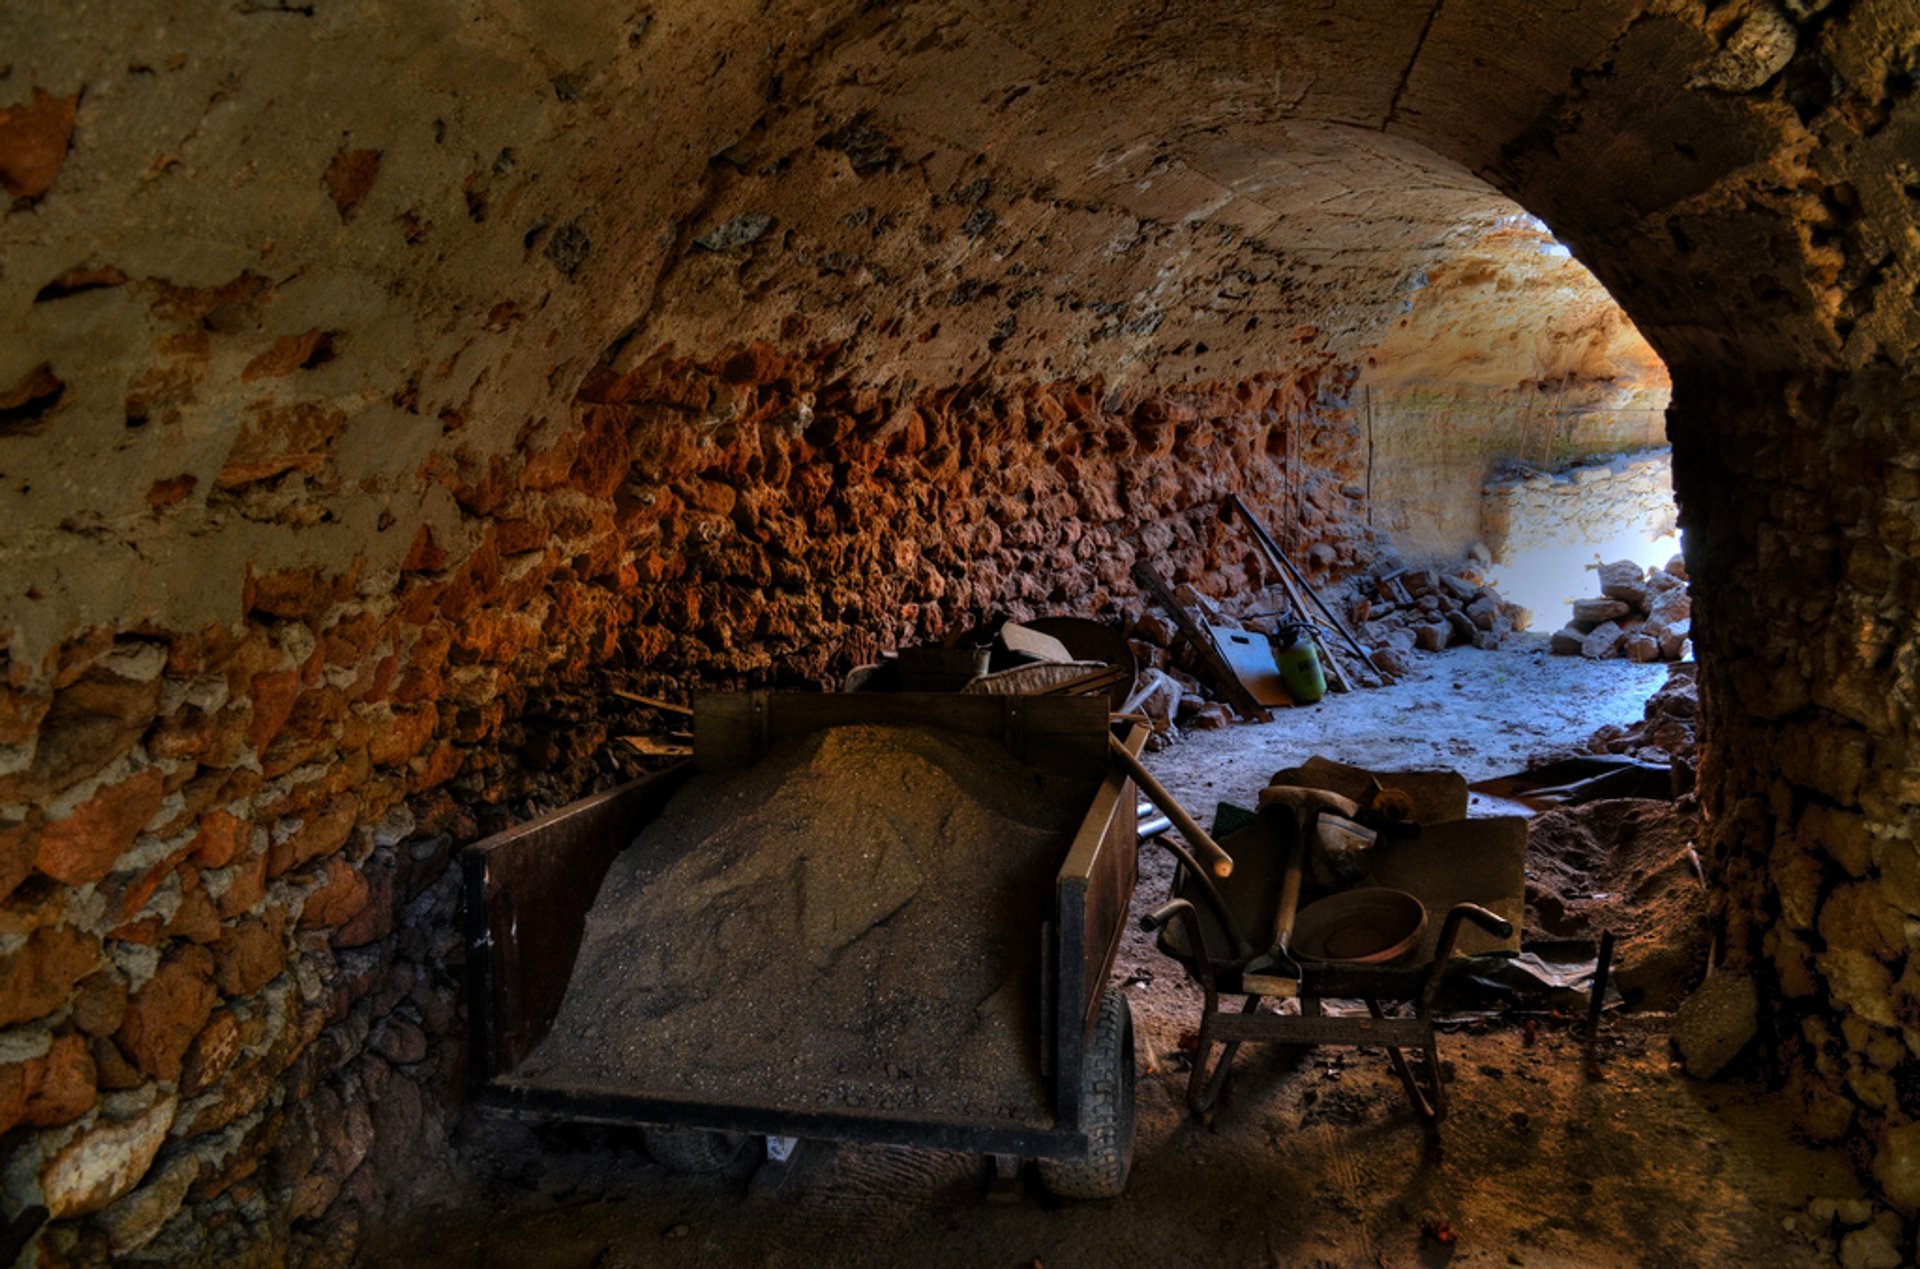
column 1397, row 612
column 1427, row 610
column 1666, row 733
column 1640, row 614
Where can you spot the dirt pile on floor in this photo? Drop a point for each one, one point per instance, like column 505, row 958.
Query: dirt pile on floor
column 1626, row 865
column 853, row 922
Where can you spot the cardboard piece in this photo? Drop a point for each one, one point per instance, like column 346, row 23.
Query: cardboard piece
column 1015, row 637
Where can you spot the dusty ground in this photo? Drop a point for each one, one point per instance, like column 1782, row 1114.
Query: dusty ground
column 1482, row 714
column 1313, row 1158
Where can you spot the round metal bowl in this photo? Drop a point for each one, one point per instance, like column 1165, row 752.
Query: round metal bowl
column 1368, row 926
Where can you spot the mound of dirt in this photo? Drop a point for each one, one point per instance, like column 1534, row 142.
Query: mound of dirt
column 1626, row 865
column 853, row 922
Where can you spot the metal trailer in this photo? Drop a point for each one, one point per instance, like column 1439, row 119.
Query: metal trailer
column 528, row 891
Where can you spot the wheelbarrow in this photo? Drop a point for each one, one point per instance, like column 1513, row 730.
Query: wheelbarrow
column 1208, row 926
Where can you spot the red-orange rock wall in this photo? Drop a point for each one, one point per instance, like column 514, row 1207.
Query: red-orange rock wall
column 228, row 909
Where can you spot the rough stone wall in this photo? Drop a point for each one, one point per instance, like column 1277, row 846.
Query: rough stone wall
column 229, row 918
column 306, row 530
column 1509, row 351
column 1575, row 509
column 1813, row 806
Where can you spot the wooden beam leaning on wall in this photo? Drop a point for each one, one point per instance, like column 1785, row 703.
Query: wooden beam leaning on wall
column 1215, row 666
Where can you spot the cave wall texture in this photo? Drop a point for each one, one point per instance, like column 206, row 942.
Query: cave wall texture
column 380, row 380
column 1508, row 352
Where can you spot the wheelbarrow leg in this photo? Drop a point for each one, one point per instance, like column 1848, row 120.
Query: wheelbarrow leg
column 1428, row 1095
column 1203, row 1092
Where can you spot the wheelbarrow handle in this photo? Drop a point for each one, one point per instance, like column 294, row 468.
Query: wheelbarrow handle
column 1217, row 860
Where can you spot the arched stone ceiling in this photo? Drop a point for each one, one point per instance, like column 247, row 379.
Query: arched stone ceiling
column 421, row 227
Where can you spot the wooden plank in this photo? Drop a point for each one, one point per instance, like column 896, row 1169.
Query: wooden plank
column 654, row 747
column 1085, row 684
column 652, row 702
column 529, row 888
column 1092, row 900
column 1216, row 667
column 1295, row 581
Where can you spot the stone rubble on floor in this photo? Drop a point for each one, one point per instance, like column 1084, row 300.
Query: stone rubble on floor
column 1640, row 614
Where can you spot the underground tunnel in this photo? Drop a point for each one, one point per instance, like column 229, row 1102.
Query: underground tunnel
column 408, row 413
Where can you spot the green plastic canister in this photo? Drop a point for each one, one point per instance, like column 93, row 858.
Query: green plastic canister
column 1300, row 671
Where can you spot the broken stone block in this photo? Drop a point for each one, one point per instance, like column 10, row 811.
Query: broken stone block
column 1669, row 607
column 1566, row 641
column 1462, row 627
column 1209, row 717
column 1420, row 582
column 1483, row 611
column 1602, row 641
column 105, row 1161
column 1593, row 612
column 1154, row 628
column 132, row 1221
column 1431, row 637
column 1678, row 567
column 1874, row 1247
column 1624, row 580
column 1459, row 588
column 1391, row 660
column 1486, row 640
column 1641, row 648
column 1716, row 1022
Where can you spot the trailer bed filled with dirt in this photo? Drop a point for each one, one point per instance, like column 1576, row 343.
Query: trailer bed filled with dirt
column 852, row 922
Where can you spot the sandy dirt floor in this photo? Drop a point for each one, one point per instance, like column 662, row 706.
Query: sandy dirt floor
column 1313, row 1158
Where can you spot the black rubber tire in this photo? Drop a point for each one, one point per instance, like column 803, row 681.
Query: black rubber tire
column 694, row 1149
column 1106, row 1110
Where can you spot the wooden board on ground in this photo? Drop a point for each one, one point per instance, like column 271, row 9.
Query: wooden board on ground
column 1437, row 795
